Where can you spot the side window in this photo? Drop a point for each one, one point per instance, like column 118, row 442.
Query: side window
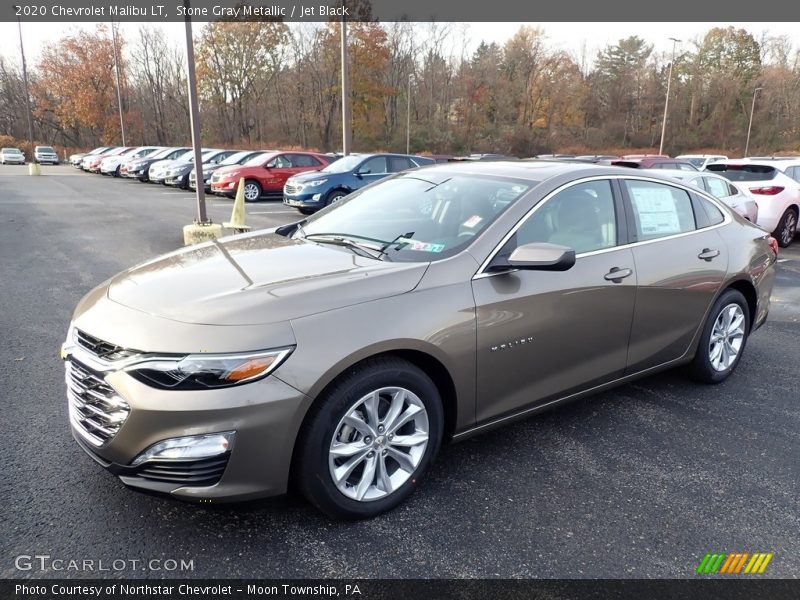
column 699, row 182
column 581, row 217
column 400, row 163
column 279, row 162
column 717, row 187
column 659, row 210
column 303, row 160
column 715, row 216
column 794, row 173
column 373, row 166
column 684, row 167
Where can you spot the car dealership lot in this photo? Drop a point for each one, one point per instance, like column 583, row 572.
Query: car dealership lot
column 639, row 482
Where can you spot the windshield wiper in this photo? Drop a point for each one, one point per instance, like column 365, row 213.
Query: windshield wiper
column 341, row 239
column 396, row 241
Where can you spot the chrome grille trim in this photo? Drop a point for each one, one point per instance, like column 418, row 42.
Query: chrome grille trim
column 292, row 189
column 95, row 410
column 101, row 349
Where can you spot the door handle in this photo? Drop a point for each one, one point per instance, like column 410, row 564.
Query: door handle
column 708, row 254
column 616, row 274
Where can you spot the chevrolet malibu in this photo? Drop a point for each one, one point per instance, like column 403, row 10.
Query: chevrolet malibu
column 339, row 352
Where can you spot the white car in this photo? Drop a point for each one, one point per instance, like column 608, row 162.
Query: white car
column 45, row 154
column 75, row 159
column 774, row 185
column 721, row 188
column 112, row 164
column 12, row 156
column 701, row 161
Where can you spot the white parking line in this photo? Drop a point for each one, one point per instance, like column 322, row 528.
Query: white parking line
column 270, row 212
column 780, row 260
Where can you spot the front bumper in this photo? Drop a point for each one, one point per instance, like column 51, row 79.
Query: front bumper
column 224, row 188
column 177, row 180
column 13, row 161
column 310, row 200
column 264, row 415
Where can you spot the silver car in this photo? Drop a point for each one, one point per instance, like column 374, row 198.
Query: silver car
column 720, row 188
column 341, row 351
column 12, row 156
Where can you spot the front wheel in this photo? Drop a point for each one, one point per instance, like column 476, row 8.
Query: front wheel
column 787, row 228
column 367, row 443
column 334, row 197
column 252, row 190
column 723, row 339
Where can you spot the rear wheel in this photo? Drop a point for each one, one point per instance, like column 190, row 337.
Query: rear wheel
column 787, row 228
column 369, row 440
column 252, row 190
column 723, row 339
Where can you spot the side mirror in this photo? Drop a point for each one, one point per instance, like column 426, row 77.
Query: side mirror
column 363, row 171
column 539, row 256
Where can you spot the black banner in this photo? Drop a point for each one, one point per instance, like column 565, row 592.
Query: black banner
column 399, row 10
column 734, row 588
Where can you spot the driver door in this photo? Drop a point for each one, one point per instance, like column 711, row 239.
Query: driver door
column 544, row 334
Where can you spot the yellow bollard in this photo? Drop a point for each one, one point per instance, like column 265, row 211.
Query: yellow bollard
column 34, row 169
column 238, row 215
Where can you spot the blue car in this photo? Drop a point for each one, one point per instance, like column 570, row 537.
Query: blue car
column 308, row 192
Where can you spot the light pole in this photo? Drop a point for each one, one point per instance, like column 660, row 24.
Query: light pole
column 750, row 124
column 346, row 127
column 194, row 119
column 25, row 83
column 119, row 89
column 675, row 42
column 408, row 115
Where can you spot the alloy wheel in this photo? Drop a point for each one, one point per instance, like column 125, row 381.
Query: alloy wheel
column 378, row 444
column 789, row 228
column 727, row 337
column 251, row 192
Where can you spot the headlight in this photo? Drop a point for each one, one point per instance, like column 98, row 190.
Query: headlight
column 315, row 183
column 208, row 371
column 231, row 174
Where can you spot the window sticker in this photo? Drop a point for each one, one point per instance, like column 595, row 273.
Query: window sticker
column 658, row 214
column 425, row 247
column 473, row 221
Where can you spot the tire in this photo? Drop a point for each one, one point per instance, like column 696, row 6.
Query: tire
column 116, row 172
column 398, row 384
column 710, row 364
column 787, row 228
column 334, row 197
column 252, row 190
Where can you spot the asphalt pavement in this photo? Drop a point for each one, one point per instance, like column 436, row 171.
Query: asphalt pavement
column 640, row 481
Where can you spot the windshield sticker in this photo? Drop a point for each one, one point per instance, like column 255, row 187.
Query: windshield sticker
column 473, row 221
column 658, row 214
column 425, row 247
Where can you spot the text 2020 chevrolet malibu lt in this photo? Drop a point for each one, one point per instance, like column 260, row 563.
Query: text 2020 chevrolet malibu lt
column 340, row 351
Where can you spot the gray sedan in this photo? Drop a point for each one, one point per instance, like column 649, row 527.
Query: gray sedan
column 341, row 351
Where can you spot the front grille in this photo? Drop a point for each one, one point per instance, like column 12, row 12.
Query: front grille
column 215, row 178
column 103, row 350
column 291, row 189
column 94, row 407
column 203, row 472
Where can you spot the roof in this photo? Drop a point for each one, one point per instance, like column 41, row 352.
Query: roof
column 534, row 171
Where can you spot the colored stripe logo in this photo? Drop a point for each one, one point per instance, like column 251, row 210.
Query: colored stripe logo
column 734, row 563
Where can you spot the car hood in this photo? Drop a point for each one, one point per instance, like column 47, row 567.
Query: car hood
column 256, row 279
column 228, row 169
column 312, row 175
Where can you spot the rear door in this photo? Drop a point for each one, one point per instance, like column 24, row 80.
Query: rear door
column 681, row 262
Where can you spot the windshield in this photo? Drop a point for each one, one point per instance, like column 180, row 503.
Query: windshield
column 414, row 219
column 46, row 149
column 696, row 161
column 343, row 165
column 235, row 159
column 11, row 151
column 162, row 153
column 259, row 159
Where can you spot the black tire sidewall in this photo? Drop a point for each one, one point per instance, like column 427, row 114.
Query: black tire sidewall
column 702, row 363
column 313, row 472
column 333, row 196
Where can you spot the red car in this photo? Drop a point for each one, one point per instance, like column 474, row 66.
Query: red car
column 265, row 174
column 93, row 165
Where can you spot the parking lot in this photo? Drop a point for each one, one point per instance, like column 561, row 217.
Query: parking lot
column 640, row 481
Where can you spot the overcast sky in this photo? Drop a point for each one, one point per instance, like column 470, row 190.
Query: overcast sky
column 572, row 37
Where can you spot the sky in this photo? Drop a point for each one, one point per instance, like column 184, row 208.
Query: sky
column 572, row 37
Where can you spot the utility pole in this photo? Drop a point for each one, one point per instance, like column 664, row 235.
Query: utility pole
column 750, row 124
column 27, row 94
column 119, row 89
column 408, row 116
column 666, row 102
column 346, row 125
column 194, row 119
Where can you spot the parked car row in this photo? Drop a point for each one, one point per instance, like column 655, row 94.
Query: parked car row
column 41, row 155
